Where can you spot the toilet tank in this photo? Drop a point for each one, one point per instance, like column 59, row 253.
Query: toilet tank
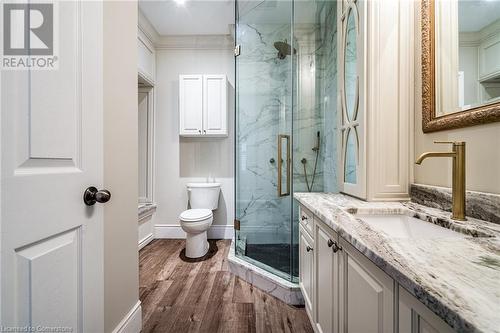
column 203, row 195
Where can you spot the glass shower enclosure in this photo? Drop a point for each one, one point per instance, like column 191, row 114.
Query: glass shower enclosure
column 285, row 123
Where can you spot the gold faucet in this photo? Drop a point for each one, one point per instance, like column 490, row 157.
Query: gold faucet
column 458, row 175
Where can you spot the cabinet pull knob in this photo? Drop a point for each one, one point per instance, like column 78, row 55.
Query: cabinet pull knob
column 199, row 131
column 205, row 131
column 304, row 217
column 330, row 243
column 309, row 249
column 336, row 247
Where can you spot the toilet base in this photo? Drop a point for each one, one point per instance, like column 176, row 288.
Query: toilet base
column 196, row 245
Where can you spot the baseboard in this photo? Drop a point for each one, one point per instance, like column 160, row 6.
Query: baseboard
column 146, row 240
column 132, row 322
column 176, row 232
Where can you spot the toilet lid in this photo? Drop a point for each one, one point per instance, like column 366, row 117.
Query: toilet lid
column 195, row 214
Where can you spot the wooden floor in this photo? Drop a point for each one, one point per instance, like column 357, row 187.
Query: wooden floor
column 184, row 295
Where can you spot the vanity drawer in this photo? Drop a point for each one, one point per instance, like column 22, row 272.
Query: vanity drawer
column 306, row 220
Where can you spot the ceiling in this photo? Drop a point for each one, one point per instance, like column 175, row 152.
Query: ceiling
column 474, row 15
column 191, row 18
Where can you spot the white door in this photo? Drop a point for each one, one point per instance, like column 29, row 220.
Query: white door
column 51, row 151
column 190, row 104
column 215, row 105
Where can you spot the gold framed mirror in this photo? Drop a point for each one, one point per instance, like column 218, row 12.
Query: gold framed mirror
column 446, row 100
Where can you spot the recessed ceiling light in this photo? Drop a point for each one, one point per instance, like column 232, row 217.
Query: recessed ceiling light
column 180, row 2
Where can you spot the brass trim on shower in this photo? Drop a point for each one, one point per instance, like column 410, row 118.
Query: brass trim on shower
column 280, row 165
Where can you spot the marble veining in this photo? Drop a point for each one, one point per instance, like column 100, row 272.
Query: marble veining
column 458, row 279
column 483, row 206
column 294, row 96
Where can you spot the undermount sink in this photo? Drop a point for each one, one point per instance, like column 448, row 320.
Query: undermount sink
column 404, row 226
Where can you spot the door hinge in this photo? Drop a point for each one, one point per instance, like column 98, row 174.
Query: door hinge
column 236, row 224
column 237, row 50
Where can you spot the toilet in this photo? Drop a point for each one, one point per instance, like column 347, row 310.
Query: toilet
column 203, row 199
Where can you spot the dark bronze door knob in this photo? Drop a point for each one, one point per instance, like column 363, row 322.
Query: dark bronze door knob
column 93, row 195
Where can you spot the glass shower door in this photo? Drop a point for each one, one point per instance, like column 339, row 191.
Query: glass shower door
column 263, row 170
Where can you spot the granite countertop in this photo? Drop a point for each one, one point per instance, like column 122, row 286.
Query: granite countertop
column 457, row 278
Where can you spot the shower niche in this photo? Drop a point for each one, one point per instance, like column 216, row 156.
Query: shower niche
column 286, row 123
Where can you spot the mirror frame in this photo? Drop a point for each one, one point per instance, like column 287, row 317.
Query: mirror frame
column 430, row 122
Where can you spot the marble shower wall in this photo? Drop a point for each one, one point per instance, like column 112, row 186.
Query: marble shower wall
column 264, row 110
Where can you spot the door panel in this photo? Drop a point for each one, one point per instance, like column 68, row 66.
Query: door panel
column 191, row 104
column 415, row 317
column 49, row 270
column 326, row 282
column 215, row 100
column 367, row 301
column 306, row 260
column 55, row 110
column 51, row 151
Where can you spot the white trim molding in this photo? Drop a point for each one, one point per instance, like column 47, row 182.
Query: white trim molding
column 195, row 42
column 174, row 231
column 132, row 322
column 146, row 240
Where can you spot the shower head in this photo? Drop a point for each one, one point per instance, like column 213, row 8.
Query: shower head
column 284, row 49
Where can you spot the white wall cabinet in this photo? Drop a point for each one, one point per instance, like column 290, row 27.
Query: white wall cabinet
column 489, row 61
column 203, row 105
column 349, row 293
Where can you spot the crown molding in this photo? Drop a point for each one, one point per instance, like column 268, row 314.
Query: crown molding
column 195, row 42
column 147, row 28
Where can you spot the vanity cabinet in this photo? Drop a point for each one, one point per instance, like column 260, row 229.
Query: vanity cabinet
column 415, row 317
column 366, row 294
column 346, row 292
column 203, row 105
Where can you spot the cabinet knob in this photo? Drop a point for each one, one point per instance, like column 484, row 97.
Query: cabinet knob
column 205, row 131
column 309, row 249
column 304, row 217
column 330, row 243
column 199, row 131
column 336, row 247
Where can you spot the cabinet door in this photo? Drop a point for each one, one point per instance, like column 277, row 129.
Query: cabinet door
column 306, row 267
column 215, row 105
column 366, row 294
column 190, row 104
column 415, row 317
column 326, row 282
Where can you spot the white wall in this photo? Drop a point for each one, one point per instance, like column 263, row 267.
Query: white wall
column 182, row 160
column 121, row 281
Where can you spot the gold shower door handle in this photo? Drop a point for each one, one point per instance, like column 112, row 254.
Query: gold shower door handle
column 282, row 137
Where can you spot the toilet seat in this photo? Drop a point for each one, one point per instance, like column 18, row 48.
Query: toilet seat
column 195, row 215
